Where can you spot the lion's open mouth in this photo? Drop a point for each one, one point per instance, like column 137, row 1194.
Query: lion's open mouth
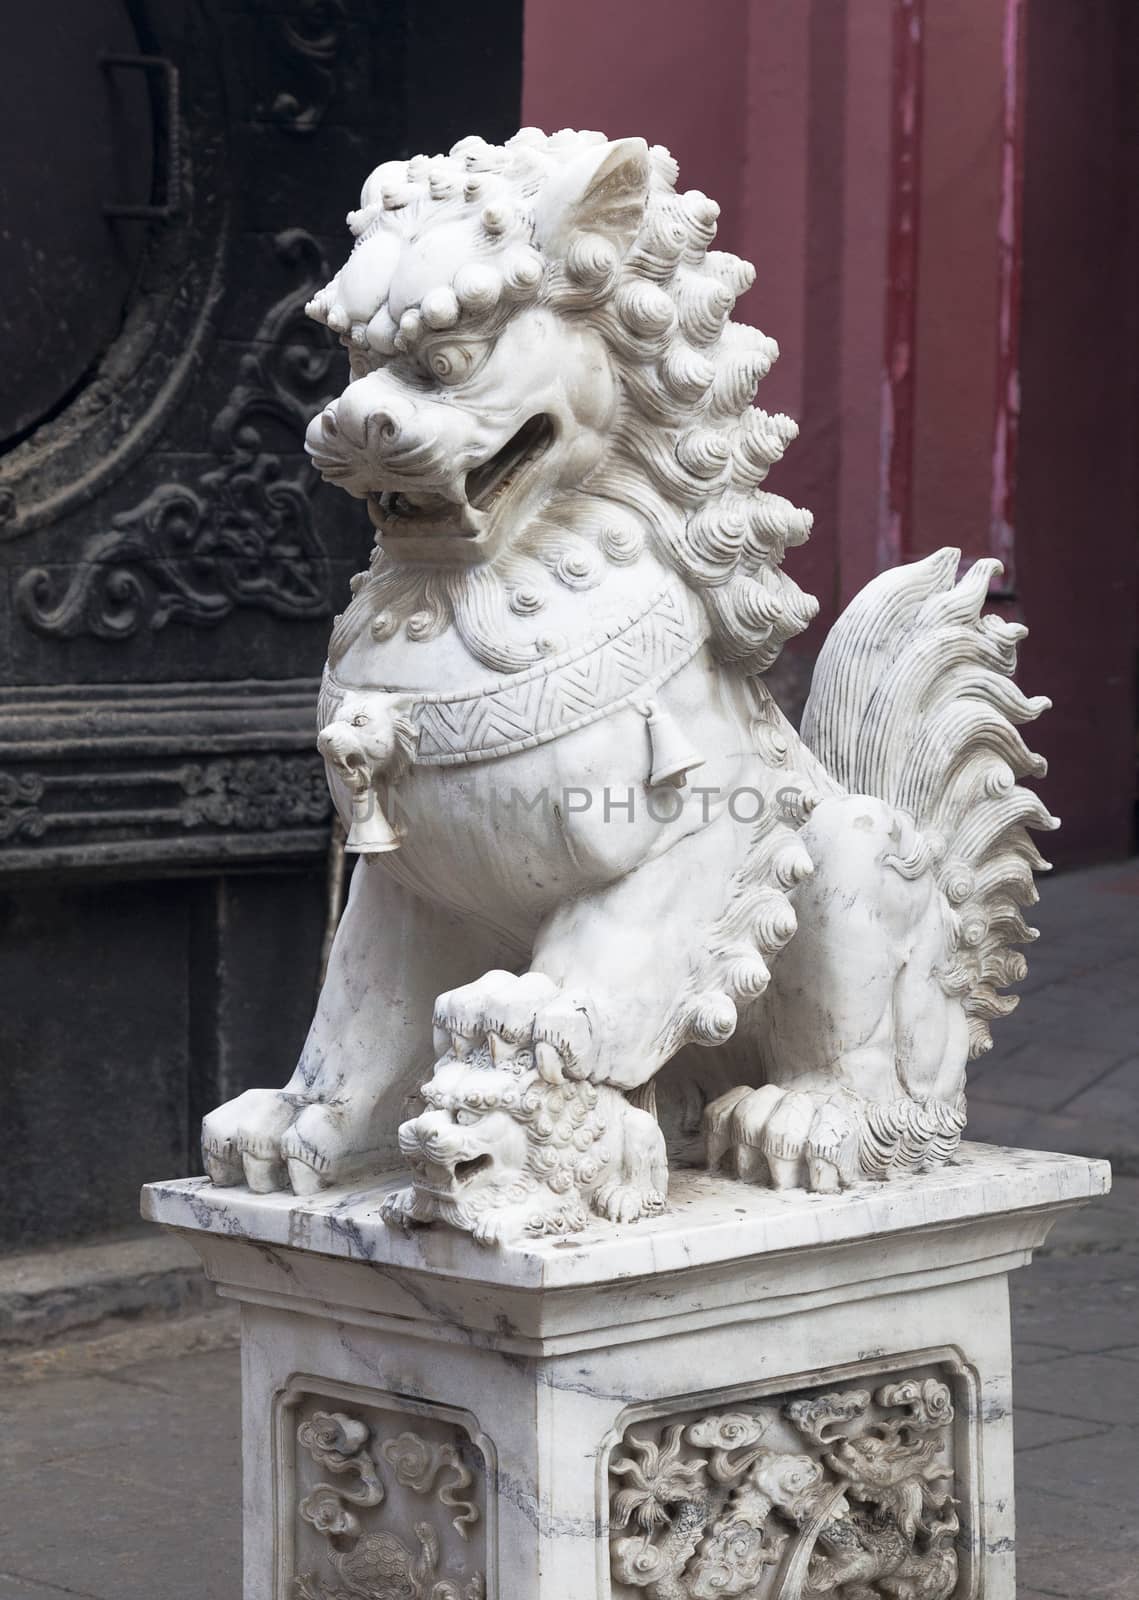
column 488, row 483
column 407, row 513
column 466, row 1170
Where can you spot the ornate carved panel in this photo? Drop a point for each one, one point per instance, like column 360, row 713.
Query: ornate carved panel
column 160, row 526
column 854, row 1489
column 186, row 773
column 241, row 531
column 383, row 1501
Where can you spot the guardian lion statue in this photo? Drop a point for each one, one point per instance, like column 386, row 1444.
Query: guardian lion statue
column 591, row 839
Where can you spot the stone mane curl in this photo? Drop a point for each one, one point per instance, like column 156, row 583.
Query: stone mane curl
column 689, row 452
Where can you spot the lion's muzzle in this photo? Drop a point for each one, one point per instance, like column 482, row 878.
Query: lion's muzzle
column 379, row 438
column 342, row 749
column 444, row 1160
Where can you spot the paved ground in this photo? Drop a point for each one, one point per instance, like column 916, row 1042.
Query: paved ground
column 121, row 1476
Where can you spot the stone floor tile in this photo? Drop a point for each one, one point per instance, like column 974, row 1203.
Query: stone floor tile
column 1034, row 1429
column 1099, row 1473
column 1070, row 1016
column 1051, row 1306
column 1115, row 1096
column 1042, row 1076
column 87, row 1536
column 993, row 1123
column 13, row 1587
column 200, row 1378
column 46, row 1422
column 1096, row 1387
column 1075, row 1551
column 1026, row 1351
column 1073, row 1572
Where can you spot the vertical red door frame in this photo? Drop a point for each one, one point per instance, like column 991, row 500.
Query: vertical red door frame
column 1002, row 529
column 901, row 285
column 895, row 528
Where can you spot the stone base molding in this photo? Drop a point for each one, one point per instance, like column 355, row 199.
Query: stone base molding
column 776, row 1396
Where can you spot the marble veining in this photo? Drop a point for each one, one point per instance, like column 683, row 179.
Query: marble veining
column 709, row 1219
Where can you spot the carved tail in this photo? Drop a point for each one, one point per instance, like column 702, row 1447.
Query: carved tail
column 913, row 701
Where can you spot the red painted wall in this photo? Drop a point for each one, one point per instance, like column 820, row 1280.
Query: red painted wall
column 794, row 115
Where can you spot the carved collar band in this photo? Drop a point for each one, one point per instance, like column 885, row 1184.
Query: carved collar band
column 616, row 668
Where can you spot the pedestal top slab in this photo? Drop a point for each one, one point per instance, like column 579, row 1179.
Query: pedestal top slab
column 710, row 1220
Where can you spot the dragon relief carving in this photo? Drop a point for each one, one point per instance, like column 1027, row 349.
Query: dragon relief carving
column 576, row 591
column 241, row 534
column 412, row 1560
column 846, row 1494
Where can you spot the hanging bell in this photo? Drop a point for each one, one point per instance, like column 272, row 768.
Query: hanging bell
column 371, row 832
column 671, row 757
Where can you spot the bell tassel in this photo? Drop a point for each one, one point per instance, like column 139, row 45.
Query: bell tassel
column 671, row 757
column 371, row 832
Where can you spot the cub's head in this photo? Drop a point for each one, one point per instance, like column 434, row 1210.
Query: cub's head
column 494, row 1135
column 546, row 385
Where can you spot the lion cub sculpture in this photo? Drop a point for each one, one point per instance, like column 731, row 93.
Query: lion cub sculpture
column 590, row 837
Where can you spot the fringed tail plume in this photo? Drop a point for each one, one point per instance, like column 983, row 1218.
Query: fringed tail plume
column 913, row 701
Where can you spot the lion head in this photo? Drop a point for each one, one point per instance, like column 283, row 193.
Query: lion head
column 501, row 1139
column 545, row 384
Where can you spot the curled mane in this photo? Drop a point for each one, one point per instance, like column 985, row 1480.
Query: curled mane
column 689, row 453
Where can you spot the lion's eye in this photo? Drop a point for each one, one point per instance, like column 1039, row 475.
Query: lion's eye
column 466, row 1118
column 455, row 363
column 359, row 720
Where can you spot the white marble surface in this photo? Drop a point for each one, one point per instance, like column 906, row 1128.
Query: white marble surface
column 546, row 727
column 709, row 1220
column 539, row 1371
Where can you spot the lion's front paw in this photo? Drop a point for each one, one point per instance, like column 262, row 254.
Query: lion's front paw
column 791, row 1139
column 280, row 1139
column 510, row 1014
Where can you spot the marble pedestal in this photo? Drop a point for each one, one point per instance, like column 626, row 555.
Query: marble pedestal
column 422, row 1417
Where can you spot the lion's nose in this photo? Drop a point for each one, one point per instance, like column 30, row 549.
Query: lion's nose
column 366, row 414
column 340, row 747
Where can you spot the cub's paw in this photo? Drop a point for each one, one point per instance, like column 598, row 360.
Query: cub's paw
column 510, row 1014
column 622, row 1202
column 405, row 1209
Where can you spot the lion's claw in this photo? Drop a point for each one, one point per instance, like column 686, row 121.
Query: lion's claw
column 785, row 1137
column 511, row 1014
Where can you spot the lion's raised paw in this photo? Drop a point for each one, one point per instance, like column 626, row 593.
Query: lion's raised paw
column 510, row 1013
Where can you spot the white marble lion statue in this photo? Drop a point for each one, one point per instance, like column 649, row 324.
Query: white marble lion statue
column 591, row 839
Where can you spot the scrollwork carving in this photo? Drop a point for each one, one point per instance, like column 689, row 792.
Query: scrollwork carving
column 405, row 1559
column 309, row 43
column 419, row 1464
column 254, row 793
column 241, row 535
column 813, row 1494
column 20, row 813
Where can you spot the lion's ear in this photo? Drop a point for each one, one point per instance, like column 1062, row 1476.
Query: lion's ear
column 603, row 191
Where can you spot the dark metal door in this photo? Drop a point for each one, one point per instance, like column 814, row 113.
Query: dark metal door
column 76, row 136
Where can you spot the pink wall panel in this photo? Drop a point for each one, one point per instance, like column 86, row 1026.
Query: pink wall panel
column 956, row 323
column 896, row 307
